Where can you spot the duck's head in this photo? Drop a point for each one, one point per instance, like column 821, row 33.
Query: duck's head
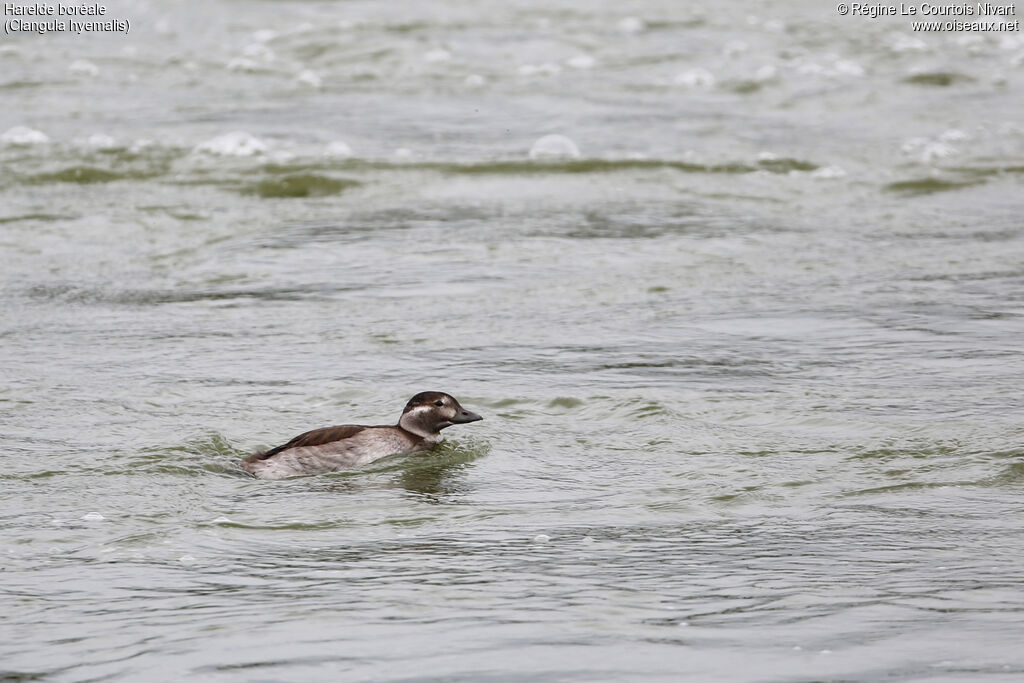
column 429, row 412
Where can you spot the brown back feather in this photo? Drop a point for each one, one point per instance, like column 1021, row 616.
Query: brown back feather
column 316, row 437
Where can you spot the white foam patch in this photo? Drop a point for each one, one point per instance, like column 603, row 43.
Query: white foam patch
column 1010, row 41
column 338, row 149
column 734, row 47
column 631, row 25
column 581, row 62
column 810, row 69
column 927, row 150
column 695, row 78
column 937, row 150
column 554, row 147
column 81, row 67
column 310, row 78
column 828, row 173
column 900, row 42
column 140, row 145
column 848, row 67
column 236, row 144
column 437, row 56
column 839, row 67
column 259, row 51
column 23, row 136
column 544, row 69
column 244, row 64
column 99, row 141
column 766, row 73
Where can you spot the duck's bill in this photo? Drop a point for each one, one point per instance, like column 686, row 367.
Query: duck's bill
column 465, row 416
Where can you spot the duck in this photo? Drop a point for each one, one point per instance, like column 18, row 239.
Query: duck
column 341, row 447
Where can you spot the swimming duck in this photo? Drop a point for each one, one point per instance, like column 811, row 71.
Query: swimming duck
column 336, row 448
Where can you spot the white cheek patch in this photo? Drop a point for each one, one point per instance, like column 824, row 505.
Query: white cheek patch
column 419, row 410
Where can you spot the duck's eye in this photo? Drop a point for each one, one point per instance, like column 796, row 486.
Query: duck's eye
column 439, row 403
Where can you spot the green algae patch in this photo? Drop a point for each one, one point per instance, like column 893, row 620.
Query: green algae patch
column 299, row 185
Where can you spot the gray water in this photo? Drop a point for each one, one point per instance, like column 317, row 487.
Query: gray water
column 750, row 363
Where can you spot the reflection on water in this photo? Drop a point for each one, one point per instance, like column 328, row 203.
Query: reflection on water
column 441, row 477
